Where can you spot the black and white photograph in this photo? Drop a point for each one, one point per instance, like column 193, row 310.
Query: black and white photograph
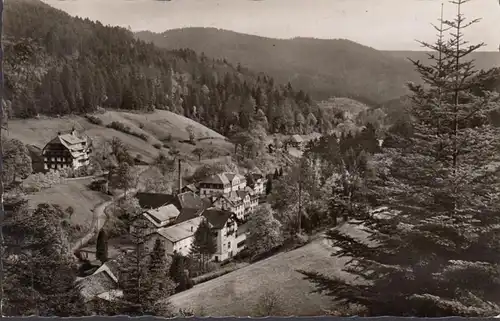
column 250, row 158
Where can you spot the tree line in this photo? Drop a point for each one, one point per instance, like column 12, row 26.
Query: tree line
column 60, row 65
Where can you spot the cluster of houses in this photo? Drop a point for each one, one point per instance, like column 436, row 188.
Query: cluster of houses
column 224, row 200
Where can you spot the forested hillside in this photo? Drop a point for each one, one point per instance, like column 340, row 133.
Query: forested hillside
column 57, row 64
column 324, row 68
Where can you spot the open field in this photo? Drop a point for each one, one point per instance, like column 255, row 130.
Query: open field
column 72, row 193
column 237, row 293
column 157, row 126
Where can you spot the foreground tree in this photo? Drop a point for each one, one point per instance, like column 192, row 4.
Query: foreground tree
column 264, row 231
column 40, row 270
column 437, row 254
column 204, row 244
column 102, row 246
column 178, row 273
column 138, row 279
column 17, row 161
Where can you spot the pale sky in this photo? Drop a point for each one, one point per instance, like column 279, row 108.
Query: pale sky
column 381, row 24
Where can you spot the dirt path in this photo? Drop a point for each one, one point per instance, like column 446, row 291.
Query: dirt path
column 99, row 217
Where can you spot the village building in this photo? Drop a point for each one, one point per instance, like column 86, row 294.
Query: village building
column 177, row 238
column 67, row 151
column 296, row 141
column 103, row 283
column 258, row 183
column 151, row 220
column 164, row 210
column 215, row 185
column 221, row 184
column 231, row 202
column 225, row 226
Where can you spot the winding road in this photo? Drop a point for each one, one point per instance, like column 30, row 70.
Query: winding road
column 99, row 217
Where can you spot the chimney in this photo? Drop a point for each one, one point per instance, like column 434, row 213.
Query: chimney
column 73, row 131
column 180, row 176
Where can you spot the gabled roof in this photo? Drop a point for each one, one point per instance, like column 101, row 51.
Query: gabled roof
column 217, row 217
column 72, row 139
column 95, row 284
column 182, row 201
column 188, row 214
column 191, row 187
column 162, row 215
column 190, row 200
column 180, row 231
column 216, row 179
column 155, row 200
column 230, row 176
column 72, row 142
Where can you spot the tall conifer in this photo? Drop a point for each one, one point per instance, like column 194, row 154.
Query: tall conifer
column 438, row 255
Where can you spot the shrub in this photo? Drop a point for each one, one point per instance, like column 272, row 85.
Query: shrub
column 116, row 125
column 94, row 120
column 215, row 274
column 157, row 145
column 167, row 139
column 41, row 181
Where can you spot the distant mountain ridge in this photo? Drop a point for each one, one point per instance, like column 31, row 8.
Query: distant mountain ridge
column 324, row 68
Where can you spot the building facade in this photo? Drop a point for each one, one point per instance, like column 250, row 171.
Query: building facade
column 67, row 151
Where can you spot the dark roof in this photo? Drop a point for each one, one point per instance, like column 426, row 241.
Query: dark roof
column 181, row 201
column 190, row 200
column 242, row 193
column 217, row 217
column 257, row 176
column 190, row 187
column 155, row 200
column 188, row 214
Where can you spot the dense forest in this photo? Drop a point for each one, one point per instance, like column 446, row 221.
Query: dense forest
column 57, row 65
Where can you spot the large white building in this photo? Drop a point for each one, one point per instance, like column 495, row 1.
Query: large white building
column 67, row 151
column 222, row 184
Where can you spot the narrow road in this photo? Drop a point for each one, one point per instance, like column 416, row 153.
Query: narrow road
column 100, row 216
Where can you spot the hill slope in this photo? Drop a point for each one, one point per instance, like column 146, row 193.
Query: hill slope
column 322, row 67
column 156, row 126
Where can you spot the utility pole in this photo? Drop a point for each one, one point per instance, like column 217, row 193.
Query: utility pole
column 2, row 123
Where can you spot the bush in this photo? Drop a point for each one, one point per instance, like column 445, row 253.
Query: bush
column 40, row 181
column 167, row 139
column 157, row 145
column 116, row 125
column 94, row 120
column 215, row 274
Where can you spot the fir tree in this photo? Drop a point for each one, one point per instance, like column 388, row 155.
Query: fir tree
column 204, row 244
column 269, row 185
column 178, row 273
column 40, row 271
column 138, row 287
column 102, row 246
column 264, row 231
column 437, row 254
